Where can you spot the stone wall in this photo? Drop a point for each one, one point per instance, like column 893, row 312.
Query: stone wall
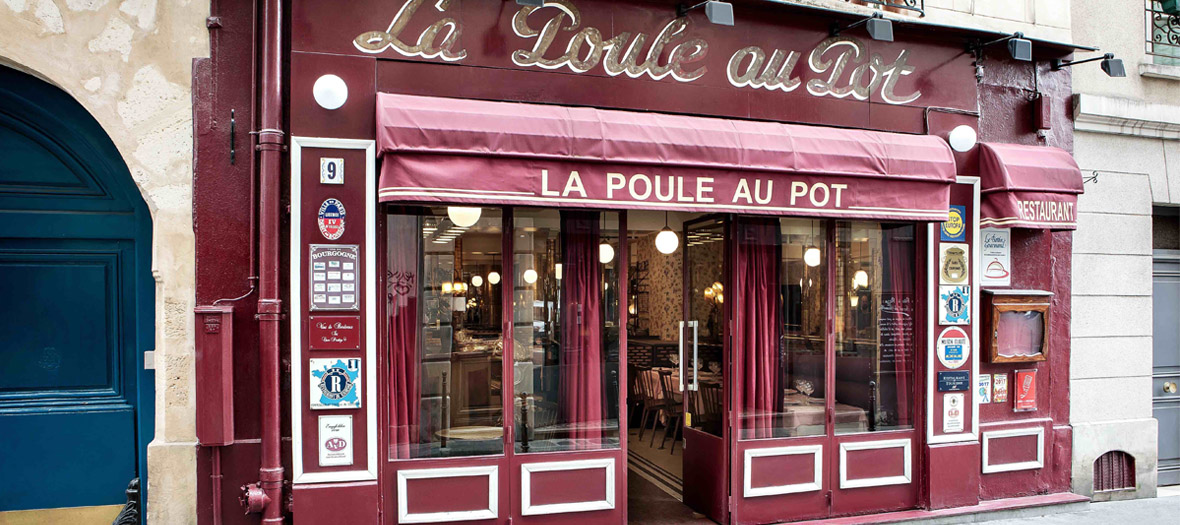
column 129, row 63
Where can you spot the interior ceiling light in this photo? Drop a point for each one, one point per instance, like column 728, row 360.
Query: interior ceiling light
column 878, row 27
column 557, row 271
column 1019, row 48
column 606, row 253
column 494, row 278
column 667, row 241
column 463, row 216
column 811, row 256
column 1113, row 67
column 477, row 281
column 860, row 279
column 530, row 276
column 720, row 13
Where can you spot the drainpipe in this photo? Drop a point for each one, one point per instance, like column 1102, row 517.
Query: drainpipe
column 266, row 495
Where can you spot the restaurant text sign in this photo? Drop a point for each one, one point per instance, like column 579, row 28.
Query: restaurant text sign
column 558, row 36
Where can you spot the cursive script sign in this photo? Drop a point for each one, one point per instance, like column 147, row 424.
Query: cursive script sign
column 557, row 36
column 334, row 332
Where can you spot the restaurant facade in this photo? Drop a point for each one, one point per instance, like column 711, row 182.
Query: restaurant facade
column 470, row 261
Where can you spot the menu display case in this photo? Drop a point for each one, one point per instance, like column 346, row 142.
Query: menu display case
column 1017, row 325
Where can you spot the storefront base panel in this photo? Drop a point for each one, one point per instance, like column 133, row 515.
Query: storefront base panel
column 953, row 474
column 354, row 503
column 1009, row 508
column 1137, row 437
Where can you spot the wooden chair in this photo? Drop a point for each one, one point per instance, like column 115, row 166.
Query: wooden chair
column 672, row 409
column 651, row 393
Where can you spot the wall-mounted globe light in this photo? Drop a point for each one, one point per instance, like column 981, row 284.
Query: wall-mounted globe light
column 330, row 92
column 962, row 138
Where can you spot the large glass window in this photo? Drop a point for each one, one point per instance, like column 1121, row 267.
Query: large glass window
column 875, row 315
column 566, row 330
column 444, row 337
column 781, row 274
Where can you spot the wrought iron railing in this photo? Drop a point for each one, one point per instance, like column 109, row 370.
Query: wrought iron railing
column 1162, row 34
column 918, row 6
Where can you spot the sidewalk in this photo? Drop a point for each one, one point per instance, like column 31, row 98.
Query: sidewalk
column 1163, row 509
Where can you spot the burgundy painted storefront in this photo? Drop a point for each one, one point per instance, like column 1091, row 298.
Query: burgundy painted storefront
column 584, row 120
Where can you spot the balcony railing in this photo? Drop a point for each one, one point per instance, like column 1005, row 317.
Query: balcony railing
column 918, row 6
column 1163, row 34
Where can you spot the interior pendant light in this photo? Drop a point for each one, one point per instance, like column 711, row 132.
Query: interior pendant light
column 606, row 252
column 477, row 281
column 860, row 279
column 530, row 276
column 811, row 255
column 667, row 241
column 447, row 287
column 494, row 278
column 463, row 216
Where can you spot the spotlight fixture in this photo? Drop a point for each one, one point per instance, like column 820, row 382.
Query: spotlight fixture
column 878, row 27
column 720, row 13
column 531, row 3
column 1113, row 67
column 1019, row 48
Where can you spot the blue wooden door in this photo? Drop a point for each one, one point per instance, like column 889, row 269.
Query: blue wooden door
column 76, row 306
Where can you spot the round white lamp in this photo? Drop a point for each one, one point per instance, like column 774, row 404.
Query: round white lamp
column 463, row 216
column 860, row 279
column 477, row 281
column 494, row 278
column 330, row 92
column 530, row 276
column 811, row 256
column 962, row 138
column 606, row 253
column 667, row 241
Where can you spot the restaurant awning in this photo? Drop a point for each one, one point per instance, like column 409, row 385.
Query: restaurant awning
column 491, row 153
column 1028, row 187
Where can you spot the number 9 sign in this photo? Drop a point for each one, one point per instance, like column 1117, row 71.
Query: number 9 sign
column 331, row 171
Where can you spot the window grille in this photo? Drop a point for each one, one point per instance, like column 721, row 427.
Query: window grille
column 918, row 6
column 1162, row 34
column 1114, row 470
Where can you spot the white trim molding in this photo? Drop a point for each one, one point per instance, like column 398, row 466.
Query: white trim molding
column 989, row 468
column 526, row 493
column 817, row 453
column 933, row 237
column 491, row 512
column 297, row 318
column 1124, row 116
column 906, row 477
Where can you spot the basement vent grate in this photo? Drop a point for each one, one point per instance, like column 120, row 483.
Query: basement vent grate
column 1114, row 470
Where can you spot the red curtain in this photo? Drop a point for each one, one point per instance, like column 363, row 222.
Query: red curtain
column 756, row 344
column 898, row 242
column 581, row 376
column 401, row 304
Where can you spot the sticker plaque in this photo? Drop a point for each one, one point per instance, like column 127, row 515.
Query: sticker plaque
column 333, row 281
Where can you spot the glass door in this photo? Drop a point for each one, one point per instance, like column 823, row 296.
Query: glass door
column 823, row 352
column 702, row 367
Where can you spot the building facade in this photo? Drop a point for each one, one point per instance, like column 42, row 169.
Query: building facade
column 1124, row 277
column 96, row 377
column 466, row 261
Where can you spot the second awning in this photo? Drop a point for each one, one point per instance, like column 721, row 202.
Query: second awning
column 1028, row 187
column 494, row 153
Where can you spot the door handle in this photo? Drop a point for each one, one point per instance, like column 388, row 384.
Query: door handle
column 696, row 329
column 1169, row 387
column 680, row 356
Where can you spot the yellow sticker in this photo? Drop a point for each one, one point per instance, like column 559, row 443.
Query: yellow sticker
column 687, row 419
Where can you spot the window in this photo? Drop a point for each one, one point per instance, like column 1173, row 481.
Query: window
column 444, row 337
column 566, row 330
column 1163, row 34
